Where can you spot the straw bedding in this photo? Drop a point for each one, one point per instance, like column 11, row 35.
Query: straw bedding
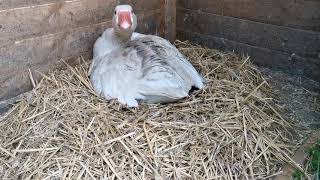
column 233, row 129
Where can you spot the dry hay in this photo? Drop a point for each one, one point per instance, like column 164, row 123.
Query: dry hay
column 231, row 130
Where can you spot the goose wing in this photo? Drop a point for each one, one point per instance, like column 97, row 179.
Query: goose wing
column 159, row 82
column 169, row 53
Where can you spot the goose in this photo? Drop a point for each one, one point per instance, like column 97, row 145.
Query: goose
column 130, row 67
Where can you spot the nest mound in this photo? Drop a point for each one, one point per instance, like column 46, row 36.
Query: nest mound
column 231, row 129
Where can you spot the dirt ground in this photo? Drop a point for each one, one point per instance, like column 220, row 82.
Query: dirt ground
column 301, row 98
column 299, row 95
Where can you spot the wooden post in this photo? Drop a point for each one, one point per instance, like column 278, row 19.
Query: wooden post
column 170, row 20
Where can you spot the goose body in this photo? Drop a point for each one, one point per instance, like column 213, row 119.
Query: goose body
column 141, row 67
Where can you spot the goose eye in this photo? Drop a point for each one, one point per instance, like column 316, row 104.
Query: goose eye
column 115, row 12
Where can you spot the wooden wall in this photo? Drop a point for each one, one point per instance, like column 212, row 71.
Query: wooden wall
column 36, row 34
column 277, row 33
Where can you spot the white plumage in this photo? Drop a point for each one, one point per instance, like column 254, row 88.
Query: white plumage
column 140, row 67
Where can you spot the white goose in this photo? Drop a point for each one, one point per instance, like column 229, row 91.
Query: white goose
column 129, row 66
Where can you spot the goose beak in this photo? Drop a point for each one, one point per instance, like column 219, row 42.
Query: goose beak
column 125, row 20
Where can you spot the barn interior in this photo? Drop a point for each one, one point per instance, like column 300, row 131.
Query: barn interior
column 38, row 37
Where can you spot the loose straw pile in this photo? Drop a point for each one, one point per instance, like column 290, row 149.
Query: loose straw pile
column 233, row 129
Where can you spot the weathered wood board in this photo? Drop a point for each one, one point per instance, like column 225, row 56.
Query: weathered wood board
column 289, row 40
column 170, row 20
column 38, row 35
column 33, row 21
column 300, row 14
column 261, row 56
column 271, row 42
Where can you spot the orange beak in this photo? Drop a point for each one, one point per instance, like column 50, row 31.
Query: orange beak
column 125, row 20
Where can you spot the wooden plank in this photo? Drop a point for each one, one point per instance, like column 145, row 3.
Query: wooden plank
column 21, row 23
column 18, row 24
column 43, row 53
column 289, row 40
column 302, row 14
column 262, row 56
column 9, row 4
column 139, row 5
column 170, row 20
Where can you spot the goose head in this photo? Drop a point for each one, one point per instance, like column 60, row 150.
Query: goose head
column 124, row 21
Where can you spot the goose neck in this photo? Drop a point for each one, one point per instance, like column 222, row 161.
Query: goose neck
column 123, row 37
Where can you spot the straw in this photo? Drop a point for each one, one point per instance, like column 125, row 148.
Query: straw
column 232, row 129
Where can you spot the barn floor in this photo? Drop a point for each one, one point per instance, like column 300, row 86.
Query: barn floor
column 299, row 95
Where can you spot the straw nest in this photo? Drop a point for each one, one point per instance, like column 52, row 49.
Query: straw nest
column 233, row 129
